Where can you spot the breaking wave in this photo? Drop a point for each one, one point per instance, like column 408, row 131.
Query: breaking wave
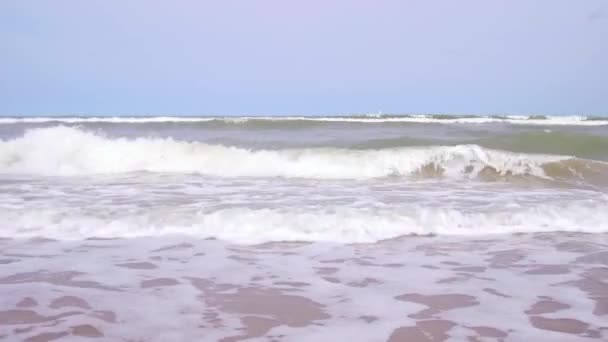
column 64, row 151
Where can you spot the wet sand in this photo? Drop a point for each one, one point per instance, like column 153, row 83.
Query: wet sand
column 529, row 287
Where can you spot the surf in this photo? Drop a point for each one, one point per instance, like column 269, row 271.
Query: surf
column 73, row 151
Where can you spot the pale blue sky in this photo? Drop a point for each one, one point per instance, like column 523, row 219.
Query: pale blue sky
column 277, row 57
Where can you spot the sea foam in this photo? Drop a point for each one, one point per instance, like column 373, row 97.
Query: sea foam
column 338, row 224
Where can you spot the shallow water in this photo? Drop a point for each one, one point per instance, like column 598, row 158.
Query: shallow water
column 304, row 229
column 544, row 286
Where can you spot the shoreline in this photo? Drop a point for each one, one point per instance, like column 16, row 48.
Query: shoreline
column 550, row 286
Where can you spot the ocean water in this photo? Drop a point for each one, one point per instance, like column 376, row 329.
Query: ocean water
column 370, row 228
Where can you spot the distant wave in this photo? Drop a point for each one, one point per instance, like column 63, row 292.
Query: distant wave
column 444, row 119
column 65, row 150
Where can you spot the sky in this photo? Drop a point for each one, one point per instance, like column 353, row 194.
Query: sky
column 279, row 57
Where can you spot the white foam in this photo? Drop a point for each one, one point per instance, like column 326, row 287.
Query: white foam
column 71, row 151
column 511, row 119
column 339, row 224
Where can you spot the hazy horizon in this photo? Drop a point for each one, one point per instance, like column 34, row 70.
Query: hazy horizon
column 329, row 115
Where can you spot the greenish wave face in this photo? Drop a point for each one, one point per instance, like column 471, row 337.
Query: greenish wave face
column 579, row 145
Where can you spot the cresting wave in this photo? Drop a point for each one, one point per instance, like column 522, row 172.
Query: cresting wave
column 72, row 151
column 372, row 118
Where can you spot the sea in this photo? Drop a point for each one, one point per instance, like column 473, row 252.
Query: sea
column 304, row 228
